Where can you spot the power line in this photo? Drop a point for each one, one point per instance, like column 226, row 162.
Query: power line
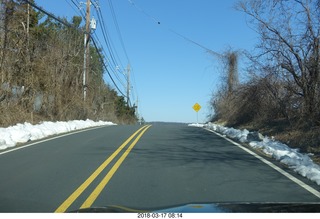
column 122, row 43
column 48, row 13
column 143, row 11
column 71, row 5
column 114, row 57
column 70, row 26
column 112, row 67
column 94, row 43
column 173, row 31
column 104, row 32
column 118, row 29
column 105, row 35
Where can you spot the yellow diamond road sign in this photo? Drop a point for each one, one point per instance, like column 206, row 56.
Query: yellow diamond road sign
column 196, row 107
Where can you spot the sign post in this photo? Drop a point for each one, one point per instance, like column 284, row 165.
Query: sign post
column 196, row 108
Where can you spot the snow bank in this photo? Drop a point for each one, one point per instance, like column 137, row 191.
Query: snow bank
column 196, row 125
column 300, row 163
column 21, row 133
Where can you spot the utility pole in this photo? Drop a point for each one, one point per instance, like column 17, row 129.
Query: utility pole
column 28, row 21
column 86, row 52
column 136, row 111
column 128, row 83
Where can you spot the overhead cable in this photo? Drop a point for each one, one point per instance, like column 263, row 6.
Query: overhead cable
column 118, row 29
column 70, row 26
column 94, row 43
column 48, row 13
column 173, row 31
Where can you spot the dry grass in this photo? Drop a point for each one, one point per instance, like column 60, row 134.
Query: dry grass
column 304, row 138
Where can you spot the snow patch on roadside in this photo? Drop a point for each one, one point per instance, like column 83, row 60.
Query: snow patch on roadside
column 300, row 163
column 196, row 125
column 22, row 133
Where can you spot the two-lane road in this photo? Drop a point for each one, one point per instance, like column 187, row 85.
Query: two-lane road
column 139, row 167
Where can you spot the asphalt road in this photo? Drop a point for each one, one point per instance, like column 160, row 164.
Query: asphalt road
column 138, row 167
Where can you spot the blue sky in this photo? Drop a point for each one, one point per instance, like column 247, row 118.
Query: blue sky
column 169, row 74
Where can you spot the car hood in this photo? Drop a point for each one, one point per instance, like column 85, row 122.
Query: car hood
column 244, row 207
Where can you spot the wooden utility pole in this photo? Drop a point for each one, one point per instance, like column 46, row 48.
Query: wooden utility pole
column 86, row 52
column 128, row 83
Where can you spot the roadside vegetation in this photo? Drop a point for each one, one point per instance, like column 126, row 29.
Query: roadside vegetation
column 281, row 95
column 41, row 71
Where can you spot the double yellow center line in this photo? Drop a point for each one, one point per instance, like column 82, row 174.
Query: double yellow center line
column 93, row 196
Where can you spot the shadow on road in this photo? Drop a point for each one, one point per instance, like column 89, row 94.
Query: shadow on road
column 189, row 146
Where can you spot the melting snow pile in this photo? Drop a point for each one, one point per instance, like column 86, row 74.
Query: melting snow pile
column 196, row 125
column 21, row 133
column 300, row 163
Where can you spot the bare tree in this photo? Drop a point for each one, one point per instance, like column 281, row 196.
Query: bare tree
column 289, row 32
